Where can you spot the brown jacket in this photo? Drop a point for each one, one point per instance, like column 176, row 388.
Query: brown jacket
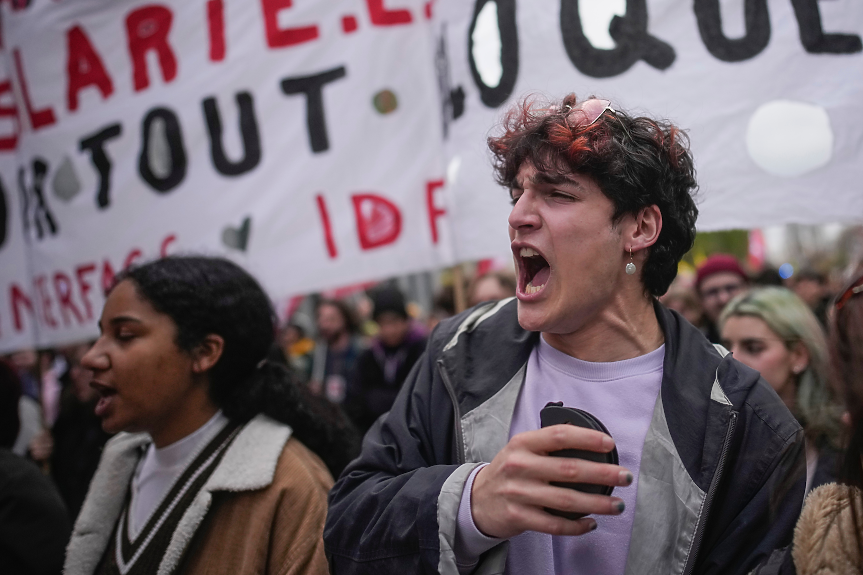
column 261, row 512
column 825, row 542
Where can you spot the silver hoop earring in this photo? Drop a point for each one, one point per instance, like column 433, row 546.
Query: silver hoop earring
column 630, row 267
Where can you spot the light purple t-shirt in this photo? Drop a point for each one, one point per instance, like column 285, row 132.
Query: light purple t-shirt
column 622, row 395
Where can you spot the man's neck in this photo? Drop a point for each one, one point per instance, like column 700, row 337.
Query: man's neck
column 616, row 333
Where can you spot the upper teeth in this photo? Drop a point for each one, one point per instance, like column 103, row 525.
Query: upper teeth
column 528, row 253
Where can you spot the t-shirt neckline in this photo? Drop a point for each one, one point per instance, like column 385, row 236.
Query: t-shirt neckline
column 600, row 371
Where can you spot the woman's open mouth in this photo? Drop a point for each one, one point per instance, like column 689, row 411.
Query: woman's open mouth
column 106, row 397
column 533, row 271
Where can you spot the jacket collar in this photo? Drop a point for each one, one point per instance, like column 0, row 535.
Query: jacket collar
column 486, row 350
column 490, row 335
column 248, row 464
column 489, row 348
column 250, row 461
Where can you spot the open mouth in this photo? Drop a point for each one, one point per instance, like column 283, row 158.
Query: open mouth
column 534, row 271
column 106, row 397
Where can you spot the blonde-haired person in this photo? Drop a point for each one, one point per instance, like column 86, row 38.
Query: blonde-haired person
column 773, row 331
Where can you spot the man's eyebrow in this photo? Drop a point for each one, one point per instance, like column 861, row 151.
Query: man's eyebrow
column 553, row 179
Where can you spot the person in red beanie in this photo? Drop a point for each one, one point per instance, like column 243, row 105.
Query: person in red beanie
column 718, row 279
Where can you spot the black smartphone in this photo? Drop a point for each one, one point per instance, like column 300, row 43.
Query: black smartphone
column 554, row 413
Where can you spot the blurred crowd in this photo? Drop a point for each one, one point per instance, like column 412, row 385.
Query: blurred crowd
column 361, row 348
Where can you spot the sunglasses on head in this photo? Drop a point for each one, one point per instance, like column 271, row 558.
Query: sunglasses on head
column 586, row 113
column 852, row 290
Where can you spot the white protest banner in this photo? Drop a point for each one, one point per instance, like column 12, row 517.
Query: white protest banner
column 17, row 320
column 769, row 93
column 300, row 138
column 304, row 139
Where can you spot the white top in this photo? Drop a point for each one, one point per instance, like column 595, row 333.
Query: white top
column 160, row 468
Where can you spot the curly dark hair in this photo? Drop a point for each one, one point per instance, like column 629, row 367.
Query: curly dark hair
column 846, row 347
column 206, row 295
column 636, row 161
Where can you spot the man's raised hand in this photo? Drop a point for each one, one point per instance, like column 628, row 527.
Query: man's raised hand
column 510, row 494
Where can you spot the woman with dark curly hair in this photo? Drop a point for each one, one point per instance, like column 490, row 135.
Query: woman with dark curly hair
column 225, row 462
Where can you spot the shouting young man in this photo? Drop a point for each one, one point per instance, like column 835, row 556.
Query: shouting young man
column 457, row 477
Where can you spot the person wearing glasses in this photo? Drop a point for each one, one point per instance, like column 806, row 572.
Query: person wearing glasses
column 718, row 279
column 458, row 477
column 774, row 332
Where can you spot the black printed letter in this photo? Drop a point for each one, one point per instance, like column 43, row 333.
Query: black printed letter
column 312, row 87
column 494, row 96
column 173, row 139
column 733, row 50
column 96, row 145
column 452, row 99
column 248, row 131
column 629, row 33
column 812, row 35
column 41, row 214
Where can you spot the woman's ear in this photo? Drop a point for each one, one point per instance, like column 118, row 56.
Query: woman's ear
column 207, row 354
column 799, row 358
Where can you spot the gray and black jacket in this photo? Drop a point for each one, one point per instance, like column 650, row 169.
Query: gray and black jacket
column 720, row 484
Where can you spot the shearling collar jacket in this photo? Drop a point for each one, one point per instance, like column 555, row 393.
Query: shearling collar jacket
column 722, row 470
column 264, row 507
column 827, row 536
